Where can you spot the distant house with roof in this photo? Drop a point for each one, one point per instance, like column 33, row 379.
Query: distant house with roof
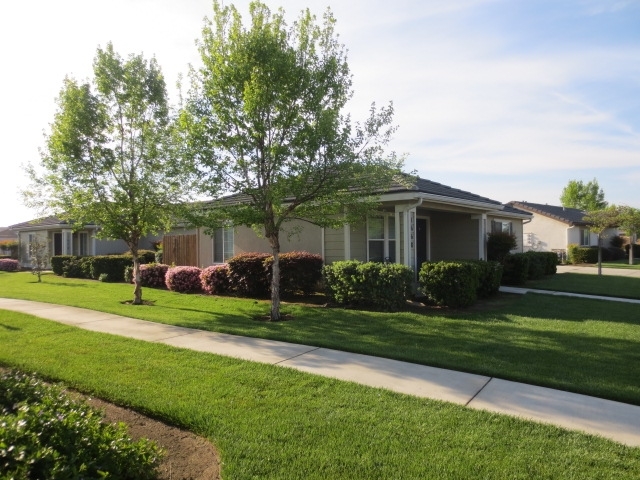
column 64, row 240
column 414, row 224
column 553, row 228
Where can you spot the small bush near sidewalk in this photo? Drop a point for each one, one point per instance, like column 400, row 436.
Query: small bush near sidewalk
column 215, row 279
column 375, row 285
column 46, row 434
column 183, row 279
column 9, row 265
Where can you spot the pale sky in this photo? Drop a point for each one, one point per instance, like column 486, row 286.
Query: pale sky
column 509, row 99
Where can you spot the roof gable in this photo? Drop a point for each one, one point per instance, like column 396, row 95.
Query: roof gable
column 570, row 216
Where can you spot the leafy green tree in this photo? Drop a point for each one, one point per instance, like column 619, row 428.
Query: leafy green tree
column 585, row 196
column 629, row 221
column 264, row 119
column 599, row 221
column 109, row 157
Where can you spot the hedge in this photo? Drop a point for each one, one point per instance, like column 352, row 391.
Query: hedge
column 248, row 275
column 515, row 269
column 452, row 284
column 299, row 272
column 183, row 279
column 215, row 279
column 372, row 284
column 578, row 254
column 489, row 277
column 9, row 265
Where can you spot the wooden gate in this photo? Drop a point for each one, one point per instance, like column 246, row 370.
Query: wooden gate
column 180, row 250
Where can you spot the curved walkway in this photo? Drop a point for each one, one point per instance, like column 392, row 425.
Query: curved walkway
column 614, row 420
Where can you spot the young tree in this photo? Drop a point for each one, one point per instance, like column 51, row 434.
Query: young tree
column 585, row 196
column 629, row 221
column 264, row 120
column 599, row 221
column 39, row 255
column 109, row 156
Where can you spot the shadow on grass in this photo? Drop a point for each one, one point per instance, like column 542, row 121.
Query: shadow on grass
column 10, row 328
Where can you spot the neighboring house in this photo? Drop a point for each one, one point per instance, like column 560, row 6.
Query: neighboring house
column 6, row 235
column 63, row 240
column 428, row 221
column 554, row 228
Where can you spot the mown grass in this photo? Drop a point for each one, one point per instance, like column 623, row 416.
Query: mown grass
column 584, row 346
column 277, row 423
column 590, row 284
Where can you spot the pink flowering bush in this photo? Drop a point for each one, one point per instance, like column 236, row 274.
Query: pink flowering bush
column 153, row 275
column 183, row 279
column 9, row 265
column 215, row 279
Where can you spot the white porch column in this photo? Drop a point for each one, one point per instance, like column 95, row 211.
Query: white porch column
column 482, row 253
column 67, row 242
column 92, row 244
column 396, row 217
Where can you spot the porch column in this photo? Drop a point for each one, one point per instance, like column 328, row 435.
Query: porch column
column 396, row 217
column 482, row 253
column 92, row 244
column 67, row 242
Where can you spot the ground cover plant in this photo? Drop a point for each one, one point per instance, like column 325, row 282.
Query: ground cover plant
column 278, row 423
column 585, row 346
column 44, row 433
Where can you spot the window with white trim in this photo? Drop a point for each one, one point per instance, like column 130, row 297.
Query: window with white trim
column 501, row 226
column 82, row 243
column 222, row 244
column 381, row 239
column 585, row 237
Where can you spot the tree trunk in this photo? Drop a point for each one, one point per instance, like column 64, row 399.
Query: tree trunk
column 599, row 254
column 137, row 289
column 275, row 279
column 632, row 240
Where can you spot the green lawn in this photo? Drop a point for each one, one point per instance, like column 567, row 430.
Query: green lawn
column 606, row 285
column 585, row 346
column 622, row 264
column 277, row 423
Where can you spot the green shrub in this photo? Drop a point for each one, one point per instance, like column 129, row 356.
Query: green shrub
column 515, row 269
column 76, row 267
column 248, row 275
column 636, row 250
column 616, row 241
column 612, row 254
column 215, row 279
column 299, row 272
column 183, row 279
column 489, row 277
column 537, row 265
column 383, row 286
column 57, row 263
column 112, row 265
column 104, row 277
column 46, row 434
column 451, row 284
column 579, row 255
column 144, row 256
column 551, row 262
column 499, row 244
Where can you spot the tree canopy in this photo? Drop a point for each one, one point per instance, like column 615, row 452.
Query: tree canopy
column 585, row 196
column 265, row 119
column 599, row 221
column 109, row 157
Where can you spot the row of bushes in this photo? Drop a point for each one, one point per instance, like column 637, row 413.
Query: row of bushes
column 111, row 267
column 47, row 434
column 247, row 275
column 577, row 254
column 9, row 265
column 520, row 267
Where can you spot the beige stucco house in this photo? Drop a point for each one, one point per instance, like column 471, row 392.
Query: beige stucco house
column 428, row 221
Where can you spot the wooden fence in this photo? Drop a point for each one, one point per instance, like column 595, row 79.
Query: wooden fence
column 180, row 250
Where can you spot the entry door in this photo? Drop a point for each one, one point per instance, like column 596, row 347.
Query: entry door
column 421, row 242
column 57, row 243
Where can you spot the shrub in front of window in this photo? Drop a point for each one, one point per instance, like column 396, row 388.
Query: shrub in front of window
column 215, row 279
column 300, row 272
column 499, row 244
column 46, row 434
column 183, row 279
column 9, row 265
column 372, row 284
column 248, row 275
column 451, row 284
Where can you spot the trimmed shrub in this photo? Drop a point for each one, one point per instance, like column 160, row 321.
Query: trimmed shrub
column 215, row 279
column 9, row 265
column 153, row 275
column 451, row 284
column 383, row 286
column 299, row 272
column 112, row 265
column 551, row 262
column 248, row 275
column 611, row 254
column 636, row 250
column 183, row 279
column 57, row 263
column 617, row 241
column 144, row 256
column 499, row 244
column 516, row 269
column 76, row 267
column 537, row 265
column 582, row 254
column 46, row 434
column 489, row 277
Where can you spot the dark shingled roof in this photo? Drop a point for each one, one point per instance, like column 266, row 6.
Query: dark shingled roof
column 39, row 222
column 427, row 186
column 570, row 216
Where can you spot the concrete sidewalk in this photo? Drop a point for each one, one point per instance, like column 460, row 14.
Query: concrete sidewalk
column 523, row 290
column 614, row 420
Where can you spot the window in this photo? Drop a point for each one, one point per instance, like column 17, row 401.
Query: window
column 82, row 244
column 381, row 239
column 222, row 245
column 585, row 237
column 499, row 226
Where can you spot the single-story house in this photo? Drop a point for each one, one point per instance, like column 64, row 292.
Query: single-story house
column 553, row 228
column 6, row 235
column 63, row 240
column 427, row 221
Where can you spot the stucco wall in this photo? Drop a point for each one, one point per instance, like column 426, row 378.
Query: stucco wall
column 547, row 234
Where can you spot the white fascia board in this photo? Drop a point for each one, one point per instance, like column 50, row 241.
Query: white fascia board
column 400, row 196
